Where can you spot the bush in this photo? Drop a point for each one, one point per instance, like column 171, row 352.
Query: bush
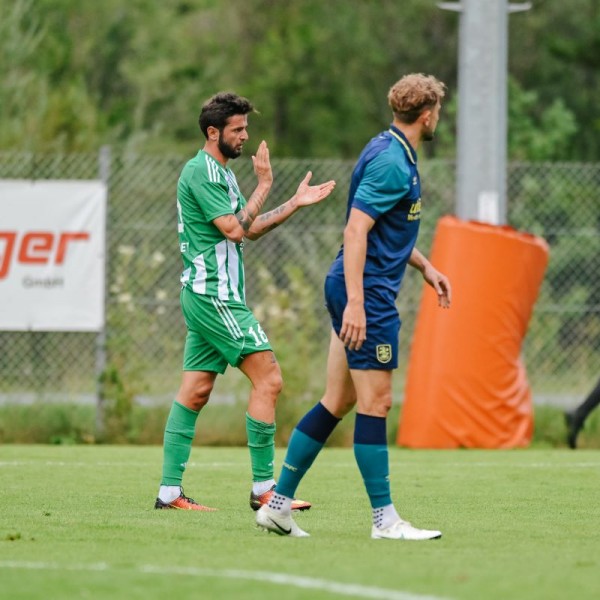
column 221, row 425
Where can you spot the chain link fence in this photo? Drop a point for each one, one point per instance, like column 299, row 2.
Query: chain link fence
column 285, row 271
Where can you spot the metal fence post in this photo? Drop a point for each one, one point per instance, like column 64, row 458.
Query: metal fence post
column 104, row 160
column 482, row 107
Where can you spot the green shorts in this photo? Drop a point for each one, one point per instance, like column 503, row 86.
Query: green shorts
column 219, row 333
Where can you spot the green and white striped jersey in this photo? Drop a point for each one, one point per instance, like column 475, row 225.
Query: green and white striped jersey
column 213, row 265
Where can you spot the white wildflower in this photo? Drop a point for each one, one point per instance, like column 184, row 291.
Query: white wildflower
column 157, row 258
column 126, row 250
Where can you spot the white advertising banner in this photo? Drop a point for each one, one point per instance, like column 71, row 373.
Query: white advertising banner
column 52, row 250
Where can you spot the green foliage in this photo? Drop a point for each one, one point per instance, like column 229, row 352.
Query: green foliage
column 286, row 312
column 117, row 406
column 535, row 131
column 554, row 51
column 77, row 75
column 46, row 423
column 222, row 425
column 22, row 93
column 548, row 206
column 134, row 321
column 538, row 132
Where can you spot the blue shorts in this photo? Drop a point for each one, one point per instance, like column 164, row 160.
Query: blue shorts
column 380, row 349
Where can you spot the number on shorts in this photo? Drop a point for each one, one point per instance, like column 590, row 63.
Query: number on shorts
column 259, row 333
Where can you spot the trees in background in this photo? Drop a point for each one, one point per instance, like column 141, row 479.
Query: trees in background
column 76, row 75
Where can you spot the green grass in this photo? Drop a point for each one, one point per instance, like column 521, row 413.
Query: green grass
column 77, row 522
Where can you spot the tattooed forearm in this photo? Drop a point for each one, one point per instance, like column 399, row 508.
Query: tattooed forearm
column 247, row 215
column 264, row 219
column 268, row 228
column 273, row 218
column 246, row 218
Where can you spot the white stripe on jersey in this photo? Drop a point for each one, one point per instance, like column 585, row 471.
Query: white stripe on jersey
column 233, row 268
column 179, row 217
column 199, row 283
column 233, row 191
column 221, row 256
column 228, row 319
column 185, row 276
column 214, row 173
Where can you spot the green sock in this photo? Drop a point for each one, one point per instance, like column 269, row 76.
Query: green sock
column 179, row 434
column 261, row 442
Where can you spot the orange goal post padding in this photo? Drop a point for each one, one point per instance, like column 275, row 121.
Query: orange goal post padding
column 466, row 384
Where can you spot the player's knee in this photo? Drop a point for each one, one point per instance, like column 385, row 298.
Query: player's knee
column 272, row 384
column 379, row 405
column 196, row 396
column 385, row 404
column 338, row 404
column 276, row 383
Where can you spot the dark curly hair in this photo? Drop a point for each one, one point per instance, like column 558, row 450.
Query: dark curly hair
column 219, row 108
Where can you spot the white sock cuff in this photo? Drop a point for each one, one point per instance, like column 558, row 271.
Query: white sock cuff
column 168, row 493
column 260, row 487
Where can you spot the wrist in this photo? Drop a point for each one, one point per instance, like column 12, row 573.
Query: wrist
column 419, row 265
column 264, row 184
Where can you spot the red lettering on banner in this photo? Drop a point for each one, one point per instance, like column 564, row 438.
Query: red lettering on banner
column 36, row 247
column 8, row 237
column 65, row 238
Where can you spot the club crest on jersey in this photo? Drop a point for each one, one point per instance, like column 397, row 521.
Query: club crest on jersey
column 384, row 353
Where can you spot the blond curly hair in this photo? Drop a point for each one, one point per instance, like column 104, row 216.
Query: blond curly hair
column 412, row 94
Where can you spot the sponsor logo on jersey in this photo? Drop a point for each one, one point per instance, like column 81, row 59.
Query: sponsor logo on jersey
column 414, row 214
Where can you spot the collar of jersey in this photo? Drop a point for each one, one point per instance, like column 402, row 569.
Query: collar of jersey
column 398, row 135
column 225, row 168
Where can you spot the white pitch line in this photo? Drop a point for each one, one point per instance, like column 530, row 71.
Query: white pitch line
column 342, row 589
column 219, row 465
column 62, row 463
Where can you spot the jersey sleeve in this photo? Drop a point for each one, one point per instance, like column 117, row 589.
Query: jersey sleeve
column 385, row 181
column 210, row 191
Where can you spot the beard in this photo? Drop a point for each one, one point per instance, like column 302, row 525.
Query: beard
column 428, row 135
column 228, row 151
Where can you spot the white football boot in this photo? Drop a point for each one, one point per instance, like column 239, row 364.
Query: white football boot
column 273, row 520
column 403, row 530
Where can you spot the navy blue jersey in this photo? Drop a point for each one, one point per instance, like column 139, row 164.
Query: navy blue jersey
column 386, row 186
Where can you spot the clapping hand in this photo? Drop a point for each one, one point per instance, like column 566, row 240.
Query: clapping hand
column 311, row 194
column 262, row 164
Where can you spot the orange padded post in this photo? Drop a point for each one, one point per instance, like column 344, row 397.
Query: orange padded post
column 466, row 384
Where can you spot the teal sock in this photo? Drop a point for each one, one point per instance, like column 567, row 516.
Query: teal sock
column 261, row 443
column 177, row 445
column 371, row 452
column 301, row 453
column 306, row 441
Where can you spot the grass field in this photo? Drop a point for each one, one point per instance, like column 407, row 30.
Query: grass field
column 78, row 522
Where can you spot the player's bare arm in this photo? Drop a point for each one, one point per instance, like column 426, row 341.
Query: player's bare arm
column 305, row 196
column 235, row 227
column 264, row 174
column 354, row 321
column 438, row 281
